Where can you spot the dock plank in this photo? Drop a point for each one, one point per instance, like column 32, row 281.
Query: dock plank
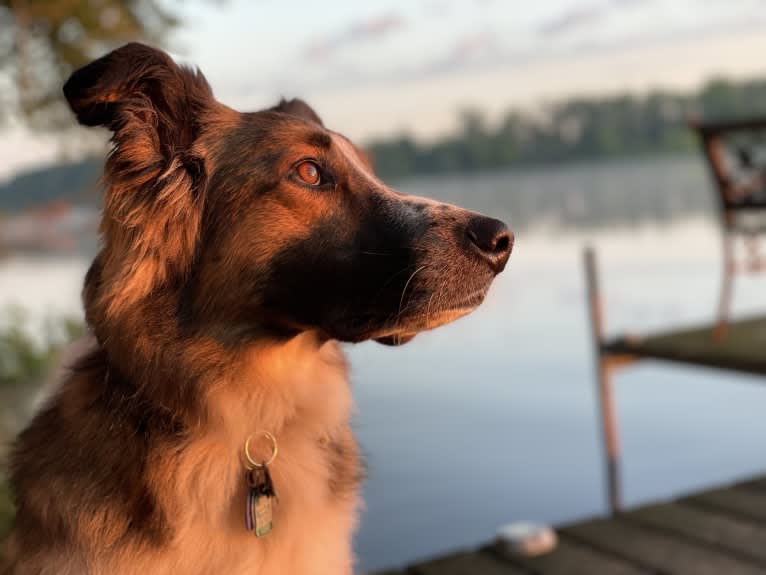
column 658, row 551
column 757, row 484
column 476, row 563
column 738, row 501
column 572, row 558
column 741, row 349
column 720, row 531
column 706, row 526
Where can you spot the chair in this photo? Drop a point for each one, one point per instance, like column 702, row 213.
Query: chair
column 736, row 155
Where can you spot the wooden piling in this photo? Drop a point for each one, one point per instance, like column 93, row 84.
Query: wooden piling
column 605, row 388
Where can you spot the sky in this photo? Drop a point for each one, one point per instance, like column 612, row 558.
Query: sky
column 377, row 68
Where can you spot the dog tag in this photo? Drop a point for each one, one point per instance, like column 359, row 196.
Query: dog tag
column 260, row 494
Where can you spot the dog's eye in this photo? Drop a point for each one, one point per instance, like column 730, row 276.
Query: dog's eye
column 309, row 173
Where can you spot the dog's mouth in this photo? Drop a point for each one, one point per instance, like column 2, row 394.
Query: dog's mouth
column 427, row 319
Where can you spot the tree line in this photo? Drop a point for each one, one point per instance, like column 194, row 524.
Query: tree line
column 575, row 129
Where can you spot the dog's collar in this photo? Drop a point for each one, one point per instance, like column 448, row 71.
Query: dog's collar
column 260, row 488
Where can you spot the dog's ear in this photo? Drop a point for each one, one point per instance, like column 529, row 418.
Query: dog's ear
column 154, row 177
column 138, row 82
column 299, row 108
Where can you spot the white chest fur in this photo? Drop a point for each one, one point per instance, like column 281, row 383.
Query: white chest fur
column 299, row 393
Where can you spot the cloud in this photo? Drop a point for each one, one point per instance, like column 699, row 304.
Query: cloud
column 629, row 2
column 357, row 32
column 583, row 15
column 572, row 19
column 468, row 49
column 435, row 9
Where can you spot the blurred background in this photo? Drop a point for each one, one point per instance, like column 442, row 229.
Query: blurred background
column 566, row 118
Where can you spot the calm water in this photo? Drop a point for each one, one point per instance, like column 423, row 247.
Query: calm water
column 493, row 419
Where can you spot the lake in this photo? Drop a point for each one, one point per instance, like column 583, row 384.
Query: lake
column 493, row 419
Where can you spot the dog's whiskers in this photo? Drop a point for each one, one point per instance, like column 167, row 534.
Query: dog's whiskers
column 428, row 308
column 389, row 280
column 437, row 293
column 404, row 291
column 406, row 285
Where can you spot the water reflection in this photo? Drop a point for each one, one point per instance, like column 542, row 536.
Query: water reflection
column 492, row 419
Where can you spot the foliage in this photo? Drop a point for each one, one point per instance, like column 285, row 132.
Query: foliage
column 43, row 41
column 25, row 362
column 6, row 510
column 577, row 129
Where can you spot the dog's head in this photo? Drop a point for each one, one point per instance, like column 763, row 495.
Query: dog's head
column 265, row 221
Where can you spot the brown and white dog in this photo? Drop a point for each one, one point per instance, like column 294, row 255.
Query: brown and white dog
column 238, row 249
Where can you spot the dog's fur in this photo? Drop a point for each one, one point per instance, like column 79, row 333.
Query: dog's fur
column 224, row 282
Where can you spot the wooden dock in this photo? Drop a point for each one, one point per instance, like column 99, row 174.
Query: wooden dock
column 728, row 345
column 743, row 349
column 717, row 532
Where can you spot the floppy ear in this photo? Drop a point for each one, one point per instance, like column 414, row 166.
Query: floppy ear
column 299, row 108
column 137, row 78
column 153, row 176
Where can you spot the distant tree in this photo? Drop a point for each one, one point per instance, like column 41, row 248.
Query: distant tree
column 720, row 98
column 43, row 41
column 475, row 144
column 396, row 156
column 575, row 129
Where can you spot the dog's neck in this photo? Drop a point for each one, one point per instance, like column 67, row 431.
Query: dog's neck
column 278, row 383
column 208, row 385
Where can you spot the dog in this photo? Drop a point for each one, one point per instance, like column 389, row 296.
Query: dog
column 238, row 250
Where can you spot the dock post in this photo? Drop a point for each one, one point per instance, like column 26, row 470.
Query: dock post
column 604, row 369
column 728, row 272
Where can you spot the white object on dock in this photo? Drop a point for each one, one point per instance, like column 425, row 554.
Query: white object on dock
column 526, row 539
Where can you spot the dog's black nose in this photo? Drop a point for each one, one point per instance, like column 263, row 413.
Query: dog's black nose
column 493, row 239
